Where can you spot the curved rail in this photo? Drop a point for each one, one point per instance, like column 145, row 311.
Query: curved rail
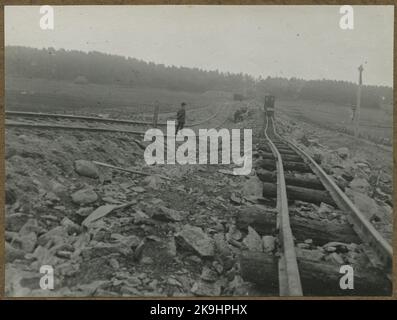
column 289, row 278
column 364, row 229
column 80, row 128
column 73, row 117
column 289, row 281
column 94, row 119
column 17, row 124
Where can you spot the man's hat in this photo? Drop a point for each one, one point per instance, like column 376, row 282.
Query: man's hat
column 183, row 104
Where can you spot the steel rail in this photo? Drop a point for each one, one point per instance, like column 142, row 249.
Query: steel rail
column 16, row 124
column 289, row 278
column 97, row 119
column 81, row 128
column 73, row 117
column 364, row 229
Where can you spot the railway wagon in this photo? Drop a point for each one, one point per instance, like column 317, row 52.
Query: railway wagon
column 269, row 105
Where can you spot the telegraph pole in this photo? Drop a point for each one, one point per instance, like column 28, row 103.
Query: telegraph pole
column 358, row 105
column 156, row 113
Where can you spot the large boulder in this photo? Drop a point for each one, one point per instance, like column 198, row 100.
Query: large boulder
column 360, row 185
column 84, row 196
column 28, row 241
column 206, row 289
column 15, row 221
column 86, row 168
column 253, row 240
column 56, row 236
column 154, row 182
column 12, row 253
column 58, row 189
column 343, row 152
column 307, row 254
column 195, row 239
column 102, row 249
column 269, row 243
column 167, row 214
column 364, row 203
column 252, row 187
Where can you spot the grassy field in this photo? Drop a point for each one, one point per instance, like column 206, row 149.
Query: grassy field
column 375, row 124
column 41, row 95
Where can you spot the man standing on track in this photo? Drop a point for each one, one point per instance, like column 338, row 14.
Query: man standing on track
column 180, row 117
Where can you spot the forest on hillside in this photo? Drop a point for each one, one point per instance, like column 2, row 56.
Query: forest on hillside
column 101, row 68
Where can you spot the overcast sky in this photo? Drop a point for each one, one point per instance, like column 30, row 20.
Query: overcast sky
column 288, row 41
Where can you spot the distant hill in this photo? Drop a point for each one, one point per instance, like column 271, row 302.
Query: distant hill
column 101, row 68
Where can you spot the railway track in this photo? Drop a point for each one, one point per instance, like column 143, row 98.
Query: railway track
column 53, row 121
column 295, row 180
column 314, row 252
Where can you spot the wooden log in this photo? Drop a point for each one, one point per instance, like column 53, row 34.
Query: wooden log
column 320, row 231
column 263, row 221
column 299, row 193
column 286, row 157
column 264, row 148
column 283, row 148
column 265, row 164
column 267, row 155
column 281, row 145
column 291, row 157
column 285, row 151
column 300, row 166
column 288, row 165
column 318, row 278
column 307, row 180
column 251, row 262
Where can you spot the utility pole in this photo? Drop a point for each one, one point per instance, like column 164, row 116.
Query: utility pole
column 358, row 105
column 156, row 114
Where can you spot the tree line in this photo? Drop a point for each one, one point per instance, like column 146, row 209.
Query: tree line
column 102, row 68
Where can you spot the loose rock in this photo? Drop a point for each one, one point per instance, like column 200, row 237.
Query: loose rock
column 269, row 243
column 167, row 214
column 253, row 240
column 343, row 152
column 84, row 196
column 86, row 168
column 206, row 289
column 195, row 239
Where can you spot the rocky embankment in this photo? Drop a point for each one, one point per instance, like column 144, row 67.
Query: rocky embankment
column 107, row 232
column 177, row 231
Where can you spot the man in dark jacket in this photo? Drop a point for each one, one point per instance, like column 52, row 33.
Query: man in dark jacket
column 180, row 117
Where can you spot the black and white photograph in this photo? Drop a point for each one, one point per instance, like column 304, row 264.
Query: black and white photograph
column 179, row 151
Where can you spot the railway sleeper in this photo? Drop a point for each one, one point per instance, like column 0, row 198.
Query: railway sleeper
column 280, row 144
column 307, row 180
column 288, row 165
column 286, row 157
column 285, row 150
column 266, row 148
column 299, row 193
column 318, row 278
column 288, row 152
column 320, row 231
